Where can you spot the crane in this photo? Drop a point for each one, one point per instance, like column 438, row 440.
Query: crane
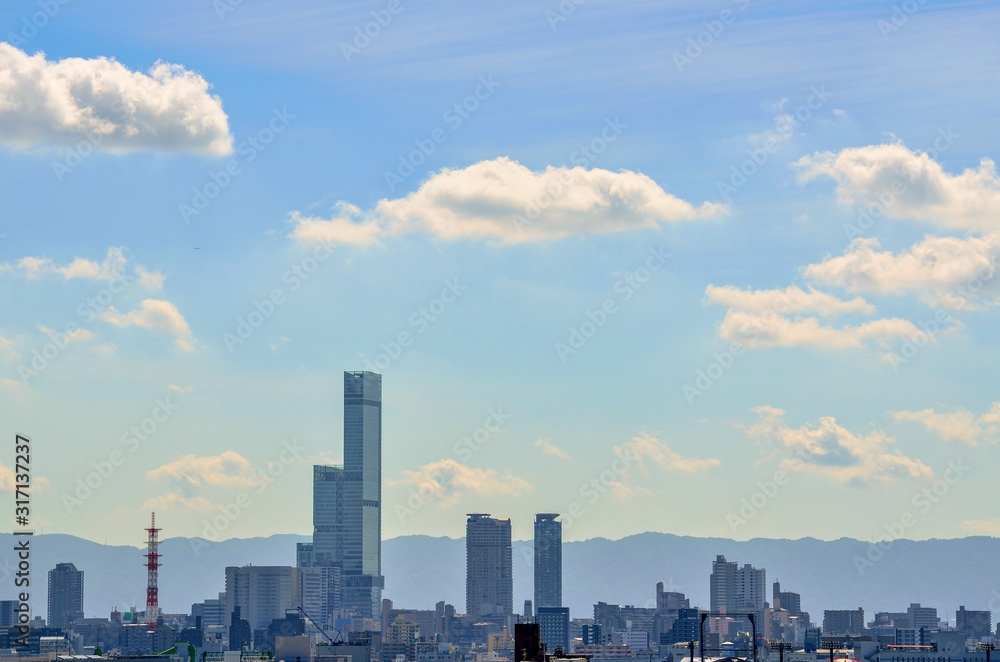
column 340, row 637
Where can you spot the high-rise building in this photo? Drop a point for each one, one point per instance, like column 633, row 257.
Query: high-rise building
column 347, row 501
column 489, row 586
column 553, row 624
column 65, row 595
column 7, row 617
column 548, row 562
column 843, row 621
column 975, row 624
column 922, row 617
column 262, row 593
column 735, row 589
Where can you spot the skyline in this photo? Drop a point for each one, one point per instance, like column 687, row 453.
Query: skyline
column 602, row 258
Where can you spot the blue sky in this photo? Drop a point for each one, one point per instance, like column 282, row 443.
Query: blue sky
column 572, row 173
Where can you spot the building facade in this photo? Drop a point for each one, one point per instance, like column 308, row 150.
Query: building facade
column 65, row 595
column 489, row 586
column 261, row 592
column 347, row 501
column 548, row 561
column 553, row 626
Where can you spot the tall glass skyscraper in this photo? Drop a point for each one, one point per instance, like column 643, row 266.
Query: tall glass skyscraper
column 347, row 500
column 548, row 560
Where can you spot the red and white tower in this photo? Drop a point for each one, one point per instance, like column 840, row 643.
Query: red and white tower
column 152, row 563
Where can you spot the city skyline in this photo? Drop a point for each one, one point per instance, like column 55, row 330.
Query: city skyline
column 503, row 217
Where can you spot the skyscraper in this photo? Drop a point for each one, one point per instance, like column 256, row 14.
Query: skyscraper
column 489, row 586
column 548, row 561
column 735, row 589
column 65, row 595
column 347, row 500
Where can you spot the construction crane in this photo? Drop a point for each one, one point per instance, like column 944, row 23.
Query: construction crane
column 338, row 640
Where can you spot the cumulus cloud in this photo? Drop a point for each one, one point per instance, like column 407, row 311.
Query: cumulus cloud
column 168, row 109
column 912, row 184
column 180, row 389
column 831, row 450
column 228, row 469
column 345, row 227
column 11, row 383
column 505, row 202
column 154, row 314
column 951, row 272
column 792, row 299
column 772, row 330
column 647, row 449
column 958, row 425
column 549, row 448
column 446, row 479
column 113, row 267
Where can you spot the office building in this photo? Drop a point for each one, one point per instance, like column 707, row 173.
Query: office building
column 261, row 592
column 548, row 561
column 975, row 624
column 735, row 589
column 489, row 587
column 553, row 626
column 347, row 501
column 65, row 595
column 844, row 621
column 922, row 617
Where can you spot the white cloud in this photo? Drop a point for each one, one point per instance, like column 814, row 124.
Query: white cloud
column 773, row 330
column 503, row 201
column 7, row 349
column 74, row 336
column 549, row 448
column 970, row 200
column 983, row 527
column 101, row 101
column 958, row 425
column 831, row 450
column 948, row 271
column 342, row 228
column 180, row 389
column 154, row 314
column 792, row 299
column 445, row 479
column 646, row 448
column 106, row 350
column 177, row 500
column 11, row 383
column 228, row 469
column 112, row 268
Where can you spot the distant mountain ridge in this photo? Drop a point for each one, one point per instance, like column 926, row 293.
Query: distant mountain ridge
column 420, row 570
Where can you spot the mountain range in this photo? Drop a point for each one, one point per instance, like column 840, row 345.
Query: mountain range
column 420, row 570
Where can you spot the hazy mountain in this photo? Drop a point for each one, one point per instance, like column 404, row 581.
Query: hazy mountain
column 421, row 570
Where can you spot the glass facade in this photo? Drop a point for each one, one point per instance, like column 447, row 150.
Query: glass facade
column 548, row 560
column 347, row 500
column 489, row 584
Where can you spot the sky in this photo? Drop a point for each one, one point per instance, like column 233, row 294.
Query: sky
column 706, row 268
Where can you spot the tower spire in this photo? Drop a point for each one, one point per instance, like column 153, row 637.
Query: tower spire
column 152, row 564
